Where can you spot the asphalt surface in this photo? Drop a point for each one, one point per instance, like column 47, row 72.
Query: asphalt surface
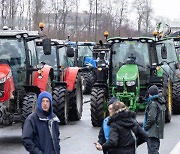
column 78, row 137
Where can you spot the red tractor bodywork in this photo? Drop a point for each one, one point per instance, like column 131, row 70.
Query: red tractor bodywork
column 70, row 77
column 40, row 78
column 7, row 86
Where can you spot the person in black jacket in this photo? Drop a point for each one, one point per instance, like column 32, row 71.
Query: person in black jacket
column 154, row 119
column 125, row 132
column 105, row 129
column 41, row 129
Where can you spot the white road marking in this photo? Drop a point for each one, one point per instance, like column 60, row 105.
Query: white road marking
column 176, row 149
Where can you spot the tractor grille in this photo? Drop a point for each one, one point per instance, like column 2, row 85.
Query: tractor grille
column 131, row 88
column 1, row 89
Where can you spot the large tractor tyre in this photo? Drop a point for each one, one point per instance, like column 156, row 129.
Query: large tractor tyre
column 86, row 83
column 28, row 105
column 98, row 112
column 60, row 104
column 76, row 100
column 176, row 98
column 167, row 92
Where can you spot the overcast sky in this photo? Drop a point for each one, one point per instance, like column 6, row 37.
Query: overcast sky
column 167, row 8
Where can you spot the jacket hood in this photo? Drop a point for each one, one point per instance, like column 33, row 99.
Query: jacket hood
column 158, row 98
column 42, row 95
column 123, row 118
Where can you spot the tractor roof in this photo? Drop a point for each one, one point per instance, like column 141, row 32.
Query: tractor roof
column 141, row 39
column 13, row 33
column 82, row 43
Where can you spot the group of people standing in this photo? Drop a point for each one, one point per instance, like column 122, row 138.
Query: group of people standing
column 120, row 133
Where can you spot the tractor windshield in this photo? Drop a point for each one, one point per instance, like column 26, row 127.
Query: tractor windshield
column 85, row 51
column 130, row 49
column 48, row 59
column 13, row 52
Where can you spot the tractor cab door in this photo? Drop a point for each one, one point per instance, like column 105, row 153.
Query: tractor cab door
column 169, row 60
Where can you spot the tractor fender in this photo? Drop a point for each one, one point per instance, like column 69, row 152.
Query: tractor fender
column 41, row 80
column 70, row 77
column 8, row 88
column 33, row 89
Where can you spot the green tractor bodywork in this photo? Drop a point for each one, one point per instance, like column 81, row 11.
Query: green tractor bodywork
column 126, row 76
column 136, row 64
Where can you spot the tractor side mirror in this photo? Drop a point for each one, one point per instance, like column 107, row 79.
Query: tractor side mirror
column 163, row 52
column 70, row 52
column 46, row 43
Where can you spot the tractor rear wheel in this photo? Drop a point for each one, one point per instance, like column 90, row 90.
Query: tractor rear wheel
column 60, row 104
column 176, row 98
column 76, row 100
column 98, row 112
column 28, row 105
column 86, row 82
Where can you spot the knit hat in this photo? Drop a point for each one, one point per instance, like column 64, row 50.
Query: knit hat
column 42, row 95
column 112, row 100
column 153, row 90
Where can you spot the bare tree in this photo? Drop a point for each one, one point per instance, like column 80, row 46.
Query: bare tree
column 37, row 14
column 139, row 6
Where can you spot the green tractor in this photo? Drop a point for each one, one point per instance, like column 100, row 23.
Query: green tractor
column 134, row 65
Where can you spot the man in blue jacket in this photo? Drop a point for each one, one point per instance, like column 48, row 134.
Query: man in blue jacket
column 41, row 130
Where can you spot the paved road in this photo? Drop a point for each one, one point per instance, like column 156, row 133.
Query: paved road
column 78, row 137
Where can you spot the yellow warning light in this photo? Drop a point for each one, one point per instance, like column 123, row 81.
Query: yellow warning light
column 155, row 32
column 158, row 68
column 106, row 33
column 41, row 25
column 99, row 69
column 160, row 34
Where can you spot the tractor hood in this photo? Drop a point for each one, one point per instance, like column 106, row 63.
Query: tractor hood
column 4, row 70
column 128, row 72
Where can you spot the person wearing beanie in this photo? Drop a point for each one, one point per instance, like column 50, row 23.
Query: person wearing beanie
column 154, row 119
column 40, row 133
column 105, row 129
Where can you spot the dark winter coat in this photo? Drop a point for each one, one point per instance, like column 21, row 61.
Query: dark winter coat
column 41, row 133
column 120, row 139
column 155, row 117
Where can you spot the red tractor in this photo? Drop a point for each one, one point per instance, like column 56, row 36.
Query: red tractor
column 67, row 84
column 22, row 78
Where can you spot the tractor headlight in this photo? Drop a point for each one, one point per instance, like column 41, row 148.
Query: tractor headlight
column 6, row 77
column 119, row 83
column 130, row 83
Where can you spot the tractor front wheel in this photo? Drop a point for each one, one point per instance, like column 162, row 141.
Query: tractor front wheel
column 28, row 105
column 98, row 105
column 60, row 104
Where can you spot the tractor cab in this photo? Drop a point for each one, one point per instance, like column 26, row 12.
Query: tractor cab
column 67, row 91
column 20, row 80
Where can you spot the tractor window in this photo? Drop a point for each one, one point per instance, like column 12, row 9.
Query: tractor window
column 13, row 52
column 32, row 53
column 130, row 48
column 62, row 57
column 48, row 59
column 84, row 51
column 171, row 53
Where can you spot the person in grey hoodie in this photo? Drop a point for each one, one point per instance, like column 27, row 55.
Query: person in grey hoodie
column 154, row 119
column 40, row 133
